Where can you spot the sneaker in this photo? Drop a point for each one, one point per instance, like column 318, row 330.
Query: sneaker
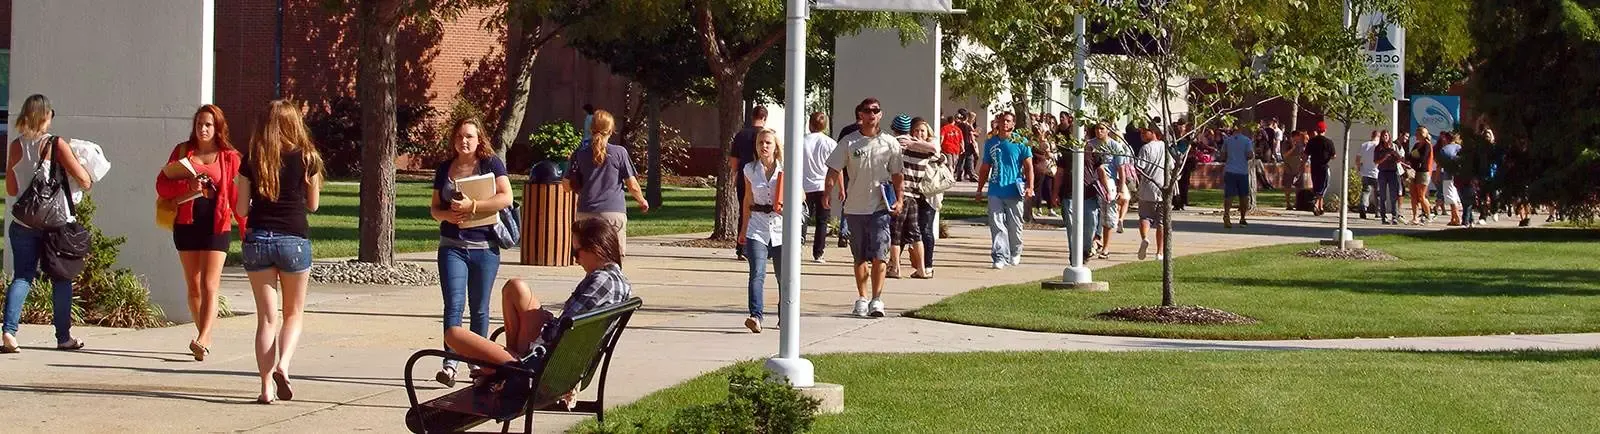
column 819, row 260
column 1480, row 222
column 1119, row 227
column 753, row 324
column 1496, row 218
column 1144, row 249
column 1159, row 257
column 997, row 266
column 860, row 308
column 1016, row 260
column 875, row 309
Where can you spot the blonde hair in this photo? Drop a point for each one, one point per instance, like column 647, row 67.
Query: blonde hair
column 35, row 112
column 777, row 143
column 600, row 130
column 280, row 129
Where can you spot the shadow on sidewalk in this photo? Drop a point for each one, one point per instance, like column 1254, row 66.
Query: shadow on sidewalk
column 142, row 391
column 397, row 382
column 136, row 354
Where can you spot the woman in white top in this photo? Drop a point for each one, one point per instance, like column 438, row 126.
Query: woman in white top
column 24, row 155
column 761, row 235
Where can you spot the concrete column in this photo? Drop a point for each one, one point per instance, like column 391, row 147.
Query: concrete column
column 904, row 78
column 127, row 75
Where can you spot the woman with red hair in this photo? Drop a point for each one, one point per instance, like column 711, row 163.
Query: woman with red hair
column 199, row 182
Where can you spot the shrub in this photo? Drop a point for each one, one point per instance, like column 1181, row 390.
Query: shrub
column 336, row 127
column 103, row 295
column 674, row 150
column 754, row 405
column 554, row 141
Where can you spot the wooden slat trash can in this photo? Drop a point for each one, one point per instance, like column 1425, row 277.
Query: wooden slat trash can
column 547, row 213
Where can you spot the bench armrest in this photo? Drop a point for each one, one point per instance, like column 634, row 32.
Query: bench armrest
column 411, row 390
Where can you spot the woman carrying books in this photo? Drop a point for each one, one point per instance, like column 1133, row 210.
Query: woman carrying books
column 599, row 172
column 468, row 193
column 198, row 182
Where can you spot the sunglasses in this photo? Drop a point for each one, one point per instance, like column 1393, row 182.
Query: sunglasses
column 872, row 110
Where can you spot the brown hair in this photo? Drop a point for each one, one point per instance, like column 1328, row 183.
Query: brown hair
column 819, row 121
column 600, row 135
column 282, row 128
column 484, row 150
column 221, row 137
column 599, row 237
column 35, row 111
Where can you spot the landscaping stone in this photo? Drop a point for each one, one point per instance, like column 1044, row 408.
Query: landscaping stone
column 1192, row 315
column 363, row 273
column 703, row 244
column 1327, row 252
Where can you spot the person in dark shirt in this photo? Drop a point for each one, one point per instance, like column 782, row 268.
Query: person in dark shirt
column 743, row 152
column 1319, row 153
column 283, row 173
column 1387, row 157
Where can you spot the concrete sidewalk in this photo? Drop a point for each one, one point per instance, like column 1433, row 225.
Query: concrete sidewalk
column 347, row 372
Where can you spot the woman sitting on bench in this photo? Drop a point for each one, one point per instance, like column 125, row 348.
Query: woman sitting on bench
column 529, row 327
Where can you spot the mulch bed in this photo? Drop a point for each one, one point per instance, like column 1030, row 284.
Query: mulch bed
column 1328, row 252
column 1191, row 315
column 702, row 244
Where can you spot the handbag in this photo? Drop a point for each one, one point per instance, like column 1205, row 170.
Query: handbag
column 43, row 205
column 938, row 179
column 66, row 249
column 508, row 231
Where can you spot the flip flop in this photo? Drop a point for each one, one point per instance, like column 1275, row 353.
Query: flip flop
column 200, row 352
column 9, row 350
column 284, row 391
column 70, row 345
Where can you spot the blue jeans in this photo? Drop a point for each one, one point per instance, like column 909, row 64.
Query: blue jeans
column 26, row 246
column 264, row 250
column 930, row 233
column 1091, row 225
column 467, row 276
column 1005, row 228
column 1469, row 197
column 758, row 252
column 1389, row 193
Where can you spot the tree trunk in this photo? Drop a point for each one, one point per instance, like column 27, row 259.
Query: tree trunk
column 652, row 189
column 375, row 88
column 522, row 48
column 1020, row 93
column 730, row 108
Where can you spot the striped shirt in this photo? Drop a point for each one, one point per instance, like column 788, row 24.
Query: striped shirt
column 915, row 161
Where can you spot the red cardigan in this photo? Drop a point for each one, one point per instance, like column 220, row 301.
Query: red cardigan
column 227, row 191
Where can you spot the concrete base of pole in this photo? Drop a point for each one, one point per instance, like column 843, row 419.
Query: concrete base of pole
column 1348, row 243
column 798, row 372
column 1076, row 279
column 830, row 396
column 1343, row 235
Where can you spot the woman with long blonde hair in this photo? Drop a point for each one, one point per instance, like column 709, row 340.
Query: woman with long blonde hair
column 761, row 234
column 468, row 257
column 208, row 166
column 35, row 148
column 283, row 173
column 598, row 173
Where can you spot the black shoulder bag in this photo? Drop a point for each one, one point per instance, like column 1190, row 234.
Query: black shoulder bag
column 66, row 248
column 43, row 206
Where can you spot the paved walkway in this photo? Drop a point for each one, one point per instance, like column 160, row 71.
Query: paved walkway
column 347, row 371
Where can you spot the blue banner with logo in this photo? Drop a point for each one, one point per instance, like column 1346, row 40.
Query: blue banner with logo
column 1439, row 113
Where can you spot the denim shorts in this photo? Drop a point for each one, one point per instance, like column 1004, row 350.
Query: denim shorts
column 264, row 250
column 869, row 236
column 1235, row 185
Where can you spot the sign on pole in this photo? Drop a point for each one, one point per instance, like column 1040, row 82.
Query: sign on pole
column 1439, row 113
column 1385, row 47
column 942, row 6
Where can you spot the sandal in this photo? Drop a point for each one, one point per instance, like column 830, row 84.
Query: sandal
column 200, row 351
column 446, row 376
column 70, row 345
column 921, row 276
column 282, row 381
column 9, row 348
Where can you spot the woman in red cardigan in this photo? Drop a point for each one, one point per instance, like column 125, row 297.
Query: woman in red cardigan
column 199, row 177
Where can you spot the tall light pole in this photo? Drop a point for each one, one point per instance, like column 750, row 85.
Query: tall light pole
column 788, row 365
column 1077, row 276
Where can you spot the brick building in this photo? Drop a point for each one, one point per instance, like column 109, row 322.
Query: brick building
column 309, row 53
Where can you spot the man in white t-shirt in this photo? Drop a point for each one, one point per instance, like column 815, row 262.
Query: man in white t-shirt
column 814, row 178
column 1368, row 163
column 872, row 160
column 1153, row 164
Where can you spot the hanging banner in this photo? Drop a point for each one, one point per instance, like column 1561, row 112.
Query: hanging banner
column 1439, row 113
column 1385, row 49
column 942, row 6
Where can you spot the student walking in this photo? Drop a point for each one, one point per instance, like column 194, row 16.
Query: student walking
column 761, row 231
column 468, row 257
column 1008, row 176
column 1154, row 163
column 1319, row 154
column 1238, row 154
column 283, row 173
column 909, row 229
column 819, row 205
column 1388, row 158
column 600, row 170
column 36, row 152
column 743, row 152
column 1106, row 148
column 202, row 173
column 875, row 189
column 1422, row 164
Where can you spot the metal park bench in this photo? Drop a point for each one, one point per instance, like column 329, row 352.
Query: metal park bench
column 585, row 349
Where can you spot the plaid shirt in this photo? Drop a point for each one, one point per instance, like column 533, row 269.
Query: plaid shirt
column 601, row 288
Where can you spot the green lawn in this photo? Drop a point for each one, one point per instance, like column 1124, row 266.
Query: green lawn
column 1208, row 391
column 1472, row 282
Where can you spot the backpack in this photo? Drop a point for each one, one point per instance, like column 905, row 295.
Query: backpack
column 508, row 231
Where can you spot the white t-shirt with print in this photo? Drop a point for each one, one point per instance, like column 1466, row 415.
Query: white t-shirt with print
column 868, row 162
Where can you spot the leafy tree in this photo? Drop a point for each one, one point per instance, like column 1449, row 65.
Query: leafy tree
column 1223, row 41
column 1023, row 40
column 528, row 25
column 1535, row 81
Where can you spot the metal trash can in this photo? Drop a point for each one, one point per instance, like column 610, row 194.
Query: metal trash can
column 547, row 213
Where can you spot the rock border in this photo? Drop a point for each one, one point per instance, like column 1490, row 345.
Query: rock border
column 1188, row 315
column 354, row 272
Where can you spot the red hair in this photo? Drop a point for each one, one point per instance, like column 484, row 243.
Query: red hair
column 221, row 137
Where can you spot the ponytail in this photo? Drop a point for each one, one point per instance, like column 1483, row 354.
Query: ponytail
column 600, row 131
